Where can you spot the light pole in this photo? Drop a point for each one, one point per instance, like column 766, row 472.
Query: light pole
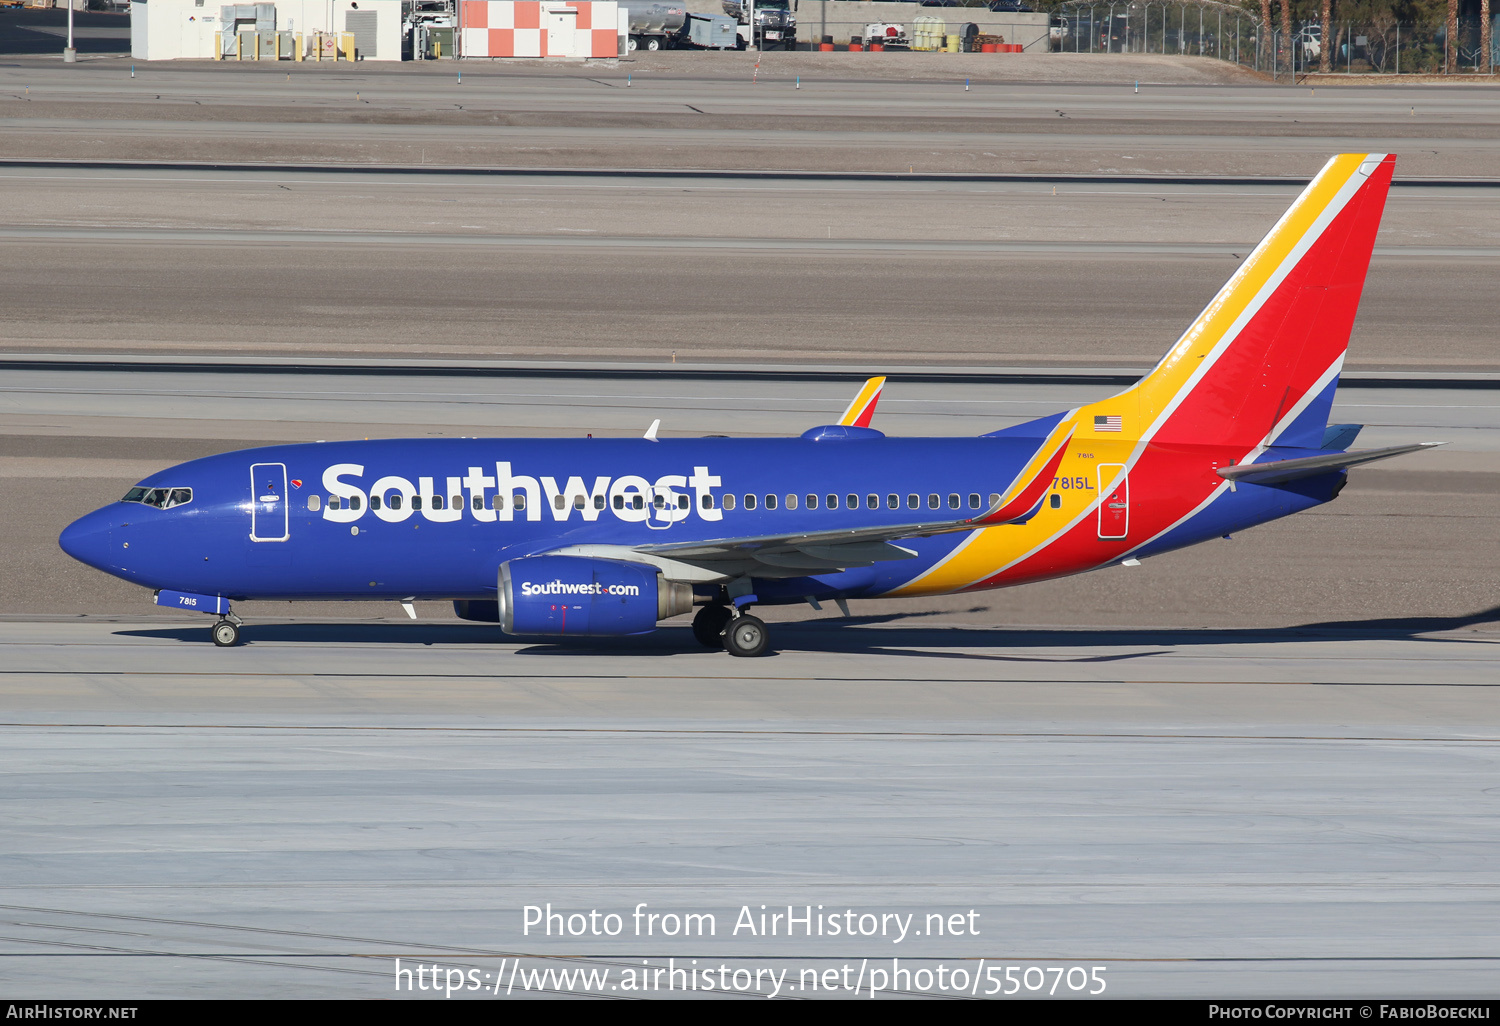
column 70, row 55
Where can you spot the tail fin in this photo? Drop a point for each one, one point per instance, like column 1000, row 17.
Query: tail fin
column 1260, row 364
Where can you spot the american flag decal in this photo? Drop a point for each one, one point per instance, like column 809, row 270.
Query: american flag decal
column 1109, row 423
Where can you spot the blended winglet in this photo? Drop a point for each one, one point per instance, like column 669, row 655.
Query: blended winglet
column 862, row 410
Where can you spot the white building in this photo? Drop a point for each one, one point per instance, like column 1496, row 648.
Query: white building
column 164, row 30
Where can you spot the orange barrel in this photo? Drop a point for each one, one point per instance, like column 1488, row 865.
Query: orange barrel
column 877, row 47
column 826, row 47
column 987, row 48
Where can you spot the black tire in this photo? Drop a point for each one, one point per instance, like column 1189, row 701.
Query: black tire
column 226, row 634
column 709, row 624
column 747, row 636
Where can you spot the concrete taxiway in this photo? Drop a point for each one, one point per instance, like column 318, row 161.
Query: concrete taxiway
column 1236, row 813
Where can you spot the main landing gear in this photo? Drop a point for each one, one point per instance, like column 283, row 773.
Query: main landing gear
column 739, row 634
column 227, row 631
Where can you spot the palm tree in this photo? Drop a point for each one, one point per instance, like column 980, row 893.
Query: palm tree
column 1286, row 26
column 1327, row 37
column 1265, row 29
column 1450, row 44
column 1485, row 42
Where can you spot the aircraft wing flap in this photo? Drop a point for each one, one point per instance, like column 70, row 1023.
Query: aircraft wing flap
column 1307, row 466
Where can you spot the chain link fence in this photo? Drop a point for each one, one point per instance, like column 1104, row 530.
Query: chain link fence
column 1227, row 32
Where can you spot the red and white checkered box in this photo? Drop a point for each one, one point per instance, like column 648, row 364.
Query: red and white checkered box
column 537, row 28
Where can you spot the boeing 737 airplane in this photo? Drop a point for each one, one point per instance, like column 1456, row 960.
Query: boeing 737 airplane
column 598, row 537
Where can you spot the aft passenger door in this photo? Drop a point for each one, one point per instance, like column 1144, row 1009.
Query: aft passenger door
column 270, row 519
column 1114, row 511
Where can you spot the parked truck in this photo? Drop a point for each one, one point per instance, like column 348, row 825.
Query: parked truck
column 775, row 24
column 653, row 25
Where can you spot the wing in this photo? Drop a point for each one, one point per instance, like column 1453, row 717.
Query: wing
column 794, row 555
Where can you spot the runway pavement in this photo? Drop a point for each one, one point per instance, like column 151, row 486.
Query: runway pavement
column 739, row 270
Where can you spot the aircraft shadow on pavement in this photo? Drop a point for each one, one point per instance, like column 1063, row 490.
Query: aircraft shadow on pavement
column 892, row 635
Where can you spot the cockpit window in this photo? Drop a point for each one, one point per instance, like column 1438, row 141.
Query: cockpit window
column 161, row 498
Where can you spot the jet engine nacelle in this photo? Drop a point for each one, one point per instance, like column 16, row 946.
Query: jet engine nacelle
column 580, row 596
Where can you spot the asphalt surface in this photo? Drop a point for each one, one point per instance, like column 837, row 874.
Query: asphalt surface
column 736, row 269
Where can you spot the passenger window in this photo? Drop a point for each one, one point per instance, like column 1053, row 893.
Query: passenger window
column 658, row 501
column 851, row 501
column 913, row 501
column 833, row 501
column 973, row 500
column 499, row 501
column 598, row 502
column 933, row 502
column 812, row 502
column 416, row 502
column 355, row 502
column 557, row 502
column 708, row 502
column 1056, row 501
column 682, row 502
column 477, row 502
column 458, row 502
column 749, row 502
column 375, row 502
column 791, row 502
column 314, row 503
column 638, row 502
column 437, row 502
column 395, row 501
column 770, row 502
column 953, row 500
column 333, row 502
column 994, row 499
column 619, row 502
column 893, row 501
column 872, row 501
column 729, row 502
column 518, row 501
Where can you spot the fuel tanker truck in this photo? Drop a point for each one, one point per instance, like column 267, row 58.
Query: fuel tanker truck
column 653, row 25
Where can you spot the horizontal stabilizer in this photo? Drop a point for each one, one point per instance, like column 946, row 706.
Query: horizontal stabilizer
column 1309, row 466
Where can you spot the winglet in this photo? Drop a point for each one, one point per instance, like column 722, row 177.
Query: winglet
column 862, row 410
column 1025, row 504
column 650, row 434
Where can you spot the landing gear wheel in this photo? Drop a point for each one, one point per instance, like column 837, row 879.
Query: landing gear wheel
column 226, row 633
column 709, row 624
column 747, row 636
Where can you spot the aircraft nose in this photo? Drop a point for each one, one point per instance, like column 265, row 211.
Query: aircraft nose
column 87, row 538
